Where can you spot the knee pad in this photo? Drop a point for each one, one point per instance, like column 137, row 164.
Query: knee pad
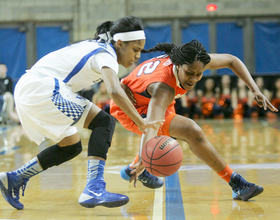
column 55, row 155
column 102, row 126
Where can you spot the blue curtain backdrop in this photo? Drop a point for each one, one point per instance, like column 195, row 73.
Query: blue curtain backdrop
column 13, row 52
column 50, row 39
column 199, row 31
column 267, row 47
column 155, row 34
column 229, row 40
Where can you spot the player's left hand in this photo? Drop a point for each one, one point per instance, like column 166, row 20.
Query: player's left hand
column 138, row 168
column 263, row 102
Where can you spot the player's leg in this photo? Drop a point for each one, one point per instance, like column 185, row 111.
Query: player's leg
column 56, row 107
column 12, row 182
column 102, row 125
column 185, row 129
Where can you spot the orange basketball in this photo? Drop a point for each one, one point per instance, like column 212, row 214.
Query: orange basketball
column 162, row 156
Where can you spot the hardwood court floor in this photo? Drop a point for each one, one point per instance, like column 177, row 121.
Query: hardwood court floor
column 195, row 192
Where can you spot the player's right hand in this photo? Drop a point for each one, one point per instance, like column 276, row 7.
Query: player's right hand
column 263, row 102
column 138, row 168
column 150, row 124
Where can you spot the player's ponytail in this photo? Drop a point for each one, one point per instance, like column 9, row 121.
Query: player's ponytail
column 110, row 28
column 184, row 54
column 103, row 29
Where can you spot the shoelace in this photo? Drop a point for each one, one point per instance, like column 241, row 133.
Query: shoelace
column 242, row 185
column 16, row 189
column 147, row 176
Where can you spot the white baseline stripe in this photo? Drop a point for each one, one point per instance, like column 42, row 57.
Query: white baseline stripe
column 158, row 203
column 259, row 166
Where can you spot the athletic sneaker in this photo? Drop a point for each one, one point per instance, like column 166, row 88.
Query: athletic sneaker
column 95, row 194
column 10, row 185
column 146, row 178
column 242, row 189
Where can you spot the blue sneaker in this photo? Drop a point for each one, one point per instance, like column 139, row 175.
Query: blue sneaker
column 243, row 190
column 95, row 194
column 10, row 185
column 146, row 178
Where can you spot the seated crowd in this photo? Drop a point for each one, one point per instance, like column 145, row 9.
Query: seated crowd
column 225, row 99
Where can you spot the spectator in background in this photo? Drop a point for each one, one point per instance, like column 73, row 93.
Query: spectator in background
column 242, row 101
column 6, row 94
column 256, row 111
column 101, row 98
column 6, row 83
column 225, row 96
column 188, row 105
column 208, row 100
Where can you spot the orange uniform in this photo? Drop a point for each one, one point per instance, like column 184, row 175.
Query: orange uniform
column 159, row 69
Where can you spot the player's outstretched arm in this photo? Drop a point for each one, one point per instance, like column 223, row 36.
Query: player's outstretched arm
column 219, row 61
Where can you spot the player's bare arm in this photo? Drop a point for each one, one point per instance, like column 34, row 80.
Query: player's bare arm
column 162, row 96
column 120, row 98
column 219, row 61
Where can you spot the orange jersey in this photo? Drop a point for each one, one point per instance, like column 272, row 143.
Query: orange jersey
column 158, row 69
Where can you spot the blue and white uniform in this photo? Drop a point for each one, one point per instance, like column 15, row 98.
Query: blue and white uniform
column 46, row 95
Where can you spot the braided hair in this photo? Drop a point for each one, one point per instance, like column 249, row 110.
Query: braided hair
column 184, row 54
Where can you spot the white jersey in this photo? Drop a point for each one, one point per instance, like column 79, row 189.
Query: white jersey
column 45, row 96
column 78, row 65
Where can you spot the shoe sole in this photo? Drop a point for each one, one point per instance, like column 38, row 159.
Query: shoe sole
column 256, row 191
column 124, row 175
column 5, row 192
column 106, row 204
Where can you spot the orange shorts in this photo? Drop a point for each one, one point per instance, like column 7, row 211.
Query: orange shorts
column 131, row 126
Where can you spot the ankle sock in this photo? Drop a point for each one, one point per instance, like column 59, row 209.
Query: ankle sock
column 226, row 173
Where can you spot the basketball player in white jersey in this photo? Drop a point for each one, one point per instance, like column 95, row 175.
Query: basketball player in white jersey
column 49, row 107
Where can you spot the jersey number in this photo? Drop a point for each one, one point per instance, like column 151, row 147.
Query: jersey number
column 148, row 68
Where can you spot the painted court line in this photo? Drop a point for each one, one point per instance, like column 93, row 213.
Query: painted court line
column 174, row 201
column 158, row 204
column 258, row 166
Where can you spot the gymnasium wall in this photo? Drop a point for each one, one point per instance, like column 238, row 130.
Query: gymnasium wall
column 248, row 29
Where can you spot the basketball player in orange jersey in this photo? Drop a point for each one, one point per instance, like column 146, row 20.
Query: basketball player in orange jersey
column 154, row 85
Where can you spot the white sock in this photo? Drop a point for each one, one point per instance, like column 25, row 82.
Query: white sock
column 29, row 169
column 95, row 169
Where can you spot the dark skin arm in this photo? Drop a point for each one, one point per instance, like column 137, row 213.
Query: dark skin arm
column 120, row 98
column 219, row 61
column 162, row 96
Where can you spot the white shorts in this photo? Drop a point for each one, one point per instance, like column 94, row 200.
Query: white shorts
column 48, row 108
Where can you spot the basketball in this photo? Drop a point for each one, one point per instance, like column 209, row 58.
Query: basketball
column 162, row 156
